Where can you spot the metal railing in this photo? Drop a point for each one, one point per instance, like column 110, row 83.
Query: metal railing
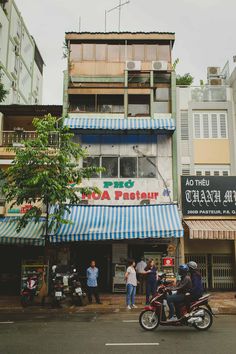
column 13, row 138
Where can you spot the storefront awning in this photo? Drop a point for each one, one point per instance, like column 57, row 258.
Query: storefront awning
column 212, row 229
column 32, row 234
column 120, row 123
column 97, row 223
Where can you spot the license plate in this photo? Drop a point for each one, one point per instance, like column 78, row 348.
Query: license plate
column 58, row 294
column 78, row 291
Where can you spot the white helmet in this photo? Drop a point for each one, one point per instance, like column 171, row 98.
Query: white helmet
column 192, row 265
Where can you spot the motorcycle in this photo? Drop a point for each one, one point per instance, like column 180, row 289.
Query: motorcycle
column 197, row 314
column 77, row 293
column 30, row 284
column 57, row 287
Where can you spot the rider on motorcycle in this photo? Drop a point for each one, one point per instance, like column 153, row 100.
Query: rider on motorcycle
column 197, row 286
column 182, row 287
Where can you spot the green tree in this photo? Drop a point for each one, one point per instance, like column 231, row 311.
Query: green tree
column 3, row 92
column 184, row 80
column 42, row 172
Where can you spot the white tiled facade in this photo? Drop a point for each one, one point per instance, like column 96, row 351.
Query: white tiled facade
column 20, row 60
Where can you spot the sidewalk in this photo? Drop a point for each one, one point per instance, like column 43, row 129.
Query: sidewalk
column 221, row 303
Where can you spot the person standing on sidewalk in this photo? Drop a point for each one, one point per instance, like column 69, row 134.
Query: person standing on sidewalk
column 131, row 285
column 151, row 284
column 92, row 282
column 141, row 275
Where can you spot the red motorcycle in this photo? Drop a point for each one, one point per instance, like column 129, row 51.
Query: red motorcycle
column 197, row 314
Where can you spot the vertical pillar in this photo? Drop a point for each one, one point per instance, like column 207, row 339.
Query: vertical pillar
column 65, row 94
column 126, row 95
column 181, row 251
column 235, row 263
column 151, row 94
column 174, row 138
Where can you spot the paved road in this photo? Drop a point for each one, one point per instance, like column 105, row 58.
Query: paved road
column 90, row 333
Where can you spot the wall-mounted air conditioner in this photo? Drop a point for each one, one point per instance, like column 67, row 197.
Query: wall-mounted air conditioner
column 132, row 65
column 215, row 82
column 213, row 71
column 160, row 65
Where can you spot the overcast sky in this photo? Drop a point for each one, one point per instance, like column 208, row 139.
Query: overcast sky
column 205, row 31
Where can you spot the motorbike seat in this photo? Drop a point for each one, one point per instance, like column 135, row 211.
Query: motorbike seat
column 204, row 297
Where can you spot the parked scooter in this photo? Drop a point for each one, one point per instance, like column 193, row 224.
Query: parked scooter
column 197, row 314
column 77, row 294
column 30, row 284
column 57, row 287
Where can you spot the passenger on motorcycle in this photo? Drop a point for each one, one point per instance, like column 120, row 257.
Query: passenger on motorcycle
column 182, row 287
column 197, row 287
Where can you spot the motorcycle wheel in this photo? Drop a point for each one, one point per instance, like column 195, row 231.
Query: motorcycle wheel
column 149, row 320
column 206, row 321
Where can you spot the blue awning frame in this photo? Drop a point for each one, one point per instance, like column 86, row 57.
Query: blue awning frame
column 101, row 223
column 164, row 124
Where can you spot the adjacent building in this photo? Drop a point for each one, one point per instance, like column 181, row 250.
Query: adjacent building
column 20, row 59
column 206, row 150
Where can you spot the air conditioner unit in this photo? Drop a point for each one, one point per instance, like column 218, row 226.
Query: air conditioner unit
column 160, row 65
column 133, row 65
column 215, row 82
column 213, row 71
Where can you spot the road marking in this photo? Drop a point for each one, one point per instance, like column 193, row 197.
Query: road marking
column 130, row 321
column 7, row 322
column 131, row 344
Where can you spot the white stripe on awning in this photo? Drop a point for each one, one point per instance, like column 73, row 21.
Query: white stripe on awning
column 120, row 123
column 212, row 229
column 97, row 222
column 32, row 234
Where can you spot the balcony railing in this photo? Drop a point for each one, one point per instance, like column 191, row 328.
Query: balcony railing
column 209, row 94
column 16, row 138
column 104, row 108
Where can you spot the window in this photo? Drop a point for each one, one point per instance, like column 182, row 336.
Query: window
column 92, row 161
column 101, row 52
column 163, row 94
column 113, row 53
column 123, row 167
column 210, row 125
column 139, row 52
column 76, row 52
column 164, row 52
column 151, row 52
column 88, row 52
column 217, row 170
column 128, row 167
column 111, row 166
column 185, row 170
column 147, row 167
column 197, row 126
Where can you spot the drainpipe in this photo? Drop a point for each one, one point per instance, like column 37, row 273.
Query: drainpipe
column 180, row 258
column 151, row 94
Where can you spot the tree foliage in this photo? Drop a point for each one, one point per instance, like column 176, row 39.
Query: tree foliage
column 184, row 80
column 3, row 92
column 42, row 172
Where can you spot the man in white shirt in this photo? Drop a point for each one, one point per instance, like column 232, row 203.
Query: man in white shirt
column 140, row 269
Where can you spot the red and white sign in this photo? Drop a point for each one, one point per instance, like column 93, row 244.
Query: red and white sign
column 168, row 262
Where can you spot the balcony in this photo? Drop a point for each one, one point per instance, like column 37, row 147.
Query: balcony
column 15, row 138
column 209, row 93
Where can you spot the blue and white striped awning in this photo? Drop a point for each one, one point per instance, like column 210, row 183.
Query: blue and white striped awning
column 120, row 123
column 32, row 234
column 97, row 223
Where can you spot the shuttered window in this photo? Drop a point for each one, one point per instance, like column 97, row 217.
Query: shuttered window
column 184, row 125
column 209, row 125
column 212, row 170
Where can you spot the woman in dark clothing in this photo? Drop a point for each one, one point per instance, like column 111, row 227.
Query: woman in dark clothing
column 197, row 286
column 151, row 283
